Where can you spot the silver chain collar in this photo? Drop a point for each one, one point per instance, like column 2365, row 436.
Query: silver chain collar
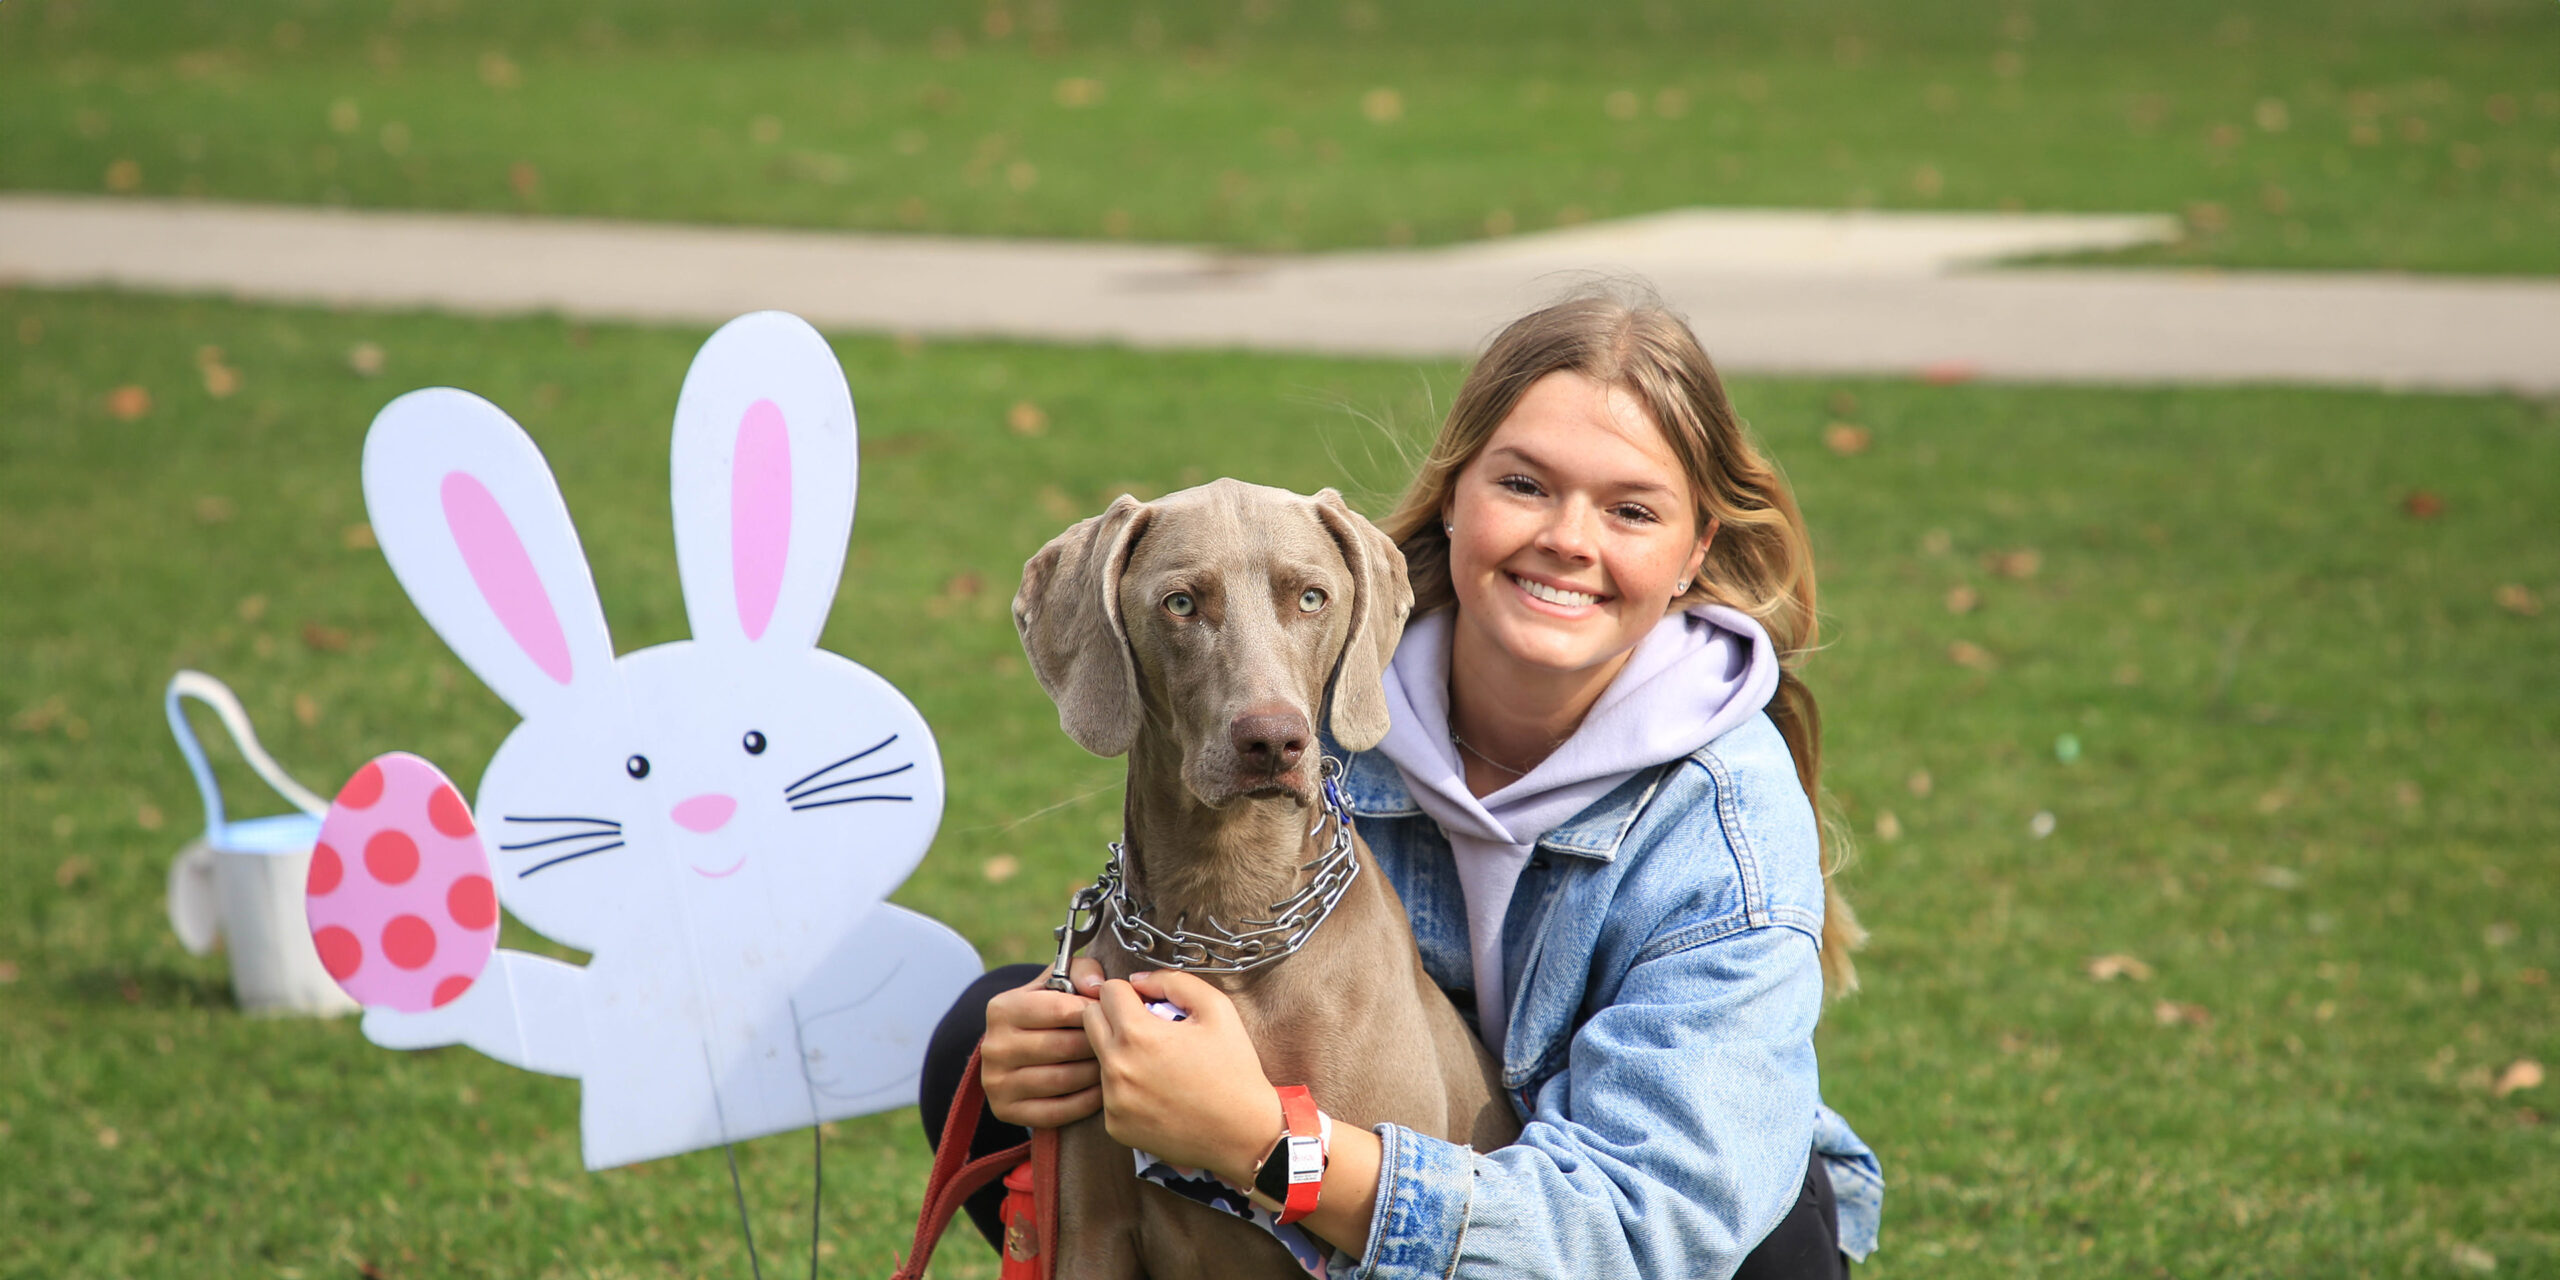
column 1214, row 947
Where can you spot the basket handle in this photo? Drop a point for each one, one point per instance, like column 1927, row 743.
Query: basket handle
column 217, row 695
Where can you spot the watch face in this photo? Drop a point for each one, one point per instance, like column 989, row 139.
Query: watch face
column 1273, row 1178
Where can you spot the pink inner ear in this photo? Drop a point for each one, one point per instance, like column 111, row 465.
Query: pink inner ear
column 760, row 514
column 504, row 572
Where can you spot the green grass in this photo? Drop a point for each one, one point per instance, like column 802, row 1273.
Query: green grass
column 2289, row 134
column 2313, row 790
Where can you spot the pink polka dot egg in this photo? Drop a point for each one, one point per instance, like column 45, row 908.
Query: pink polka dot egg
column 401, row 906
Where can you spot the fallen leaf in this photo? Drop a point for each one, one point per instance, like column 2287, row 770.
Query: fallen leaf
column 2518, row 599
column 1962, row 599
column 322, row 638
column 1001, row 868
column 498, row 71
column 42, row 716
column 2523, row 1073
column 2020, row 564
column 524, row 179
column 2171, row 1013
column 213, row 508
column 2500, row 934
column 2531, row 977
column 109, row 1138
column 220, row 381
column 149, row 818
column 357, row 537
column 128, row 402
column 964, row 584
column 306, row 710
column 1382, row 106
column 1947, row 373
column 123, row 176
column 2471, row 1257
column 1847, row 439
column 70, row 871
column 1888, row 827
column 2108, row 968
column 2408, row 795
column 2042, row 824
column 1026, row 419
column 2280, row 879
column 1079, row 91
column 1937, row 542
column 2422, row 504
column 365, row 358
column 1920, row 782
column 8, row 972
column 1965, row 653
column 2274, row 800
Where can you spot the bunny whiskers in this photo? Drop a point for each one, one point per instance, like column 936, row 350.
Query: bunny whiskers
column 604, row 829
column 801, row 794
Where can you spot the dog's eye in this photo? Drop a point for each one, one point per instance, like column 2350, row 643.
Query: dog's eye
column 1312, row 600
column 754, row 743
column 636, row 766
column 1180, row 604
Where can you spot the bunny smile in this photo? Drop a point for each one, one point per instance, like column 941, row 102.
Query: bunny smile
column 720, row 875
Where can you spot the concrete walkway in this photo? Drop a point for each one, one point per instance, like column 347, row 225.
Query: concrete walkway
column 1837, row 293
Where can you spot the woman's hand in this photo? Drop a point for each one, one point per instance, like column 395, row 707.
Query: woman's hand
column 1191, row 1092
column 1035, row 1061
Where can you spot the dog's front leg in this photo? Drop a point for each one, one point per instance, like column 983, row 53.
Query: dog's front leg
column 1097, row 1206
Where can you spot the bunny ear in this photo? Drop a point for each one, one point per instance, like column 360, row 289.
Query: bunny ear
column 764, row 464
column 467, row 513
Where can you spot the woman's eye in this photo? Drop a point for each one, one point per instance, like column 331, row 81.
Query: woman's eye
column 1311, row 600
column 1180, row 604
column 1630, row 511
column 754, row 743
column 636, row 766
column 1518, row 484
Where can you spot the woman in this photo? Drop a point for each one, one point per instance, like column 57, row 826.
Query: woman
column 1595, row 804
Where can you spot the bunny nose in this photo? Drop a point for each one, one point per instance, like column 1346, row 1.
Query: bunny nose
column 704, row 812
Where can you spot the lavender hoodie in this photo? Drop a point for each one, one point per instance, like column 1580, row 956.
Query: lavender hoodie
column 1698, row 673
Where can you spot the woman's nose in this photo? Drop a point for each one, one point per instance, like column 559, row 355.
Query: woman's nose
column 704, row 813
column 1567, row 531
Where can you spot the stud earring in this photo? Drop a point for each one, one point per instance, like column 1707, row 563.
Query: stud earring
column 1683, row 588
column 1448, row 528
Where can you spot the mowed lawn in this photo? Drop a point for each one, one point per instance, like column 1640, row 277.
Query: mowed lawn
column 2277, row 665
column 2392, row 134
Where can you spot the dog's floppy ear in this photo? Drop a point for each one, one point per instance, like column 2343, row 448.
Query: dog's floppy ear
column 1380, row 599
column 1068, row 613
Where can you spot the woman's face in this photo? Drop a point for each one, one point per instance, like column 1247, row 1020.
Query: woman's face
column 1572, row 528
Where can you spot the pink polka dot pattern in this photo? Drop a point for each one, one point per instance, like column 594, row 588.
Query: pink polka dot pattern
column 410, row 922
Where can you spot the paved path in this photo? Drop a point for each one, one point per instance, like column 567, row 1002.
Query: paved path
column 1769, row 293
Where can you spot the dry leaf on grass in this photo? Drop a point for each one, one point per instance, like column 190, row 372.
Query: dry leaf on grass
column 149, row 818
column 2523, row 1073
column 964, row 585
column 2466, row 1256
column 1026, row 419
column 2020, row 564
column 70, row 871
column 365, row 358
column 1382, row 106
column 2174, row 1013
column 2519, row 600
column 128, row 402
column 2042, row 824
column 1965, row 653
column 1888, row 827
column 306, row 710
column 1847, row 439
column 1000, row 868
column 1963, row 599
column 1920, row 782
column 2422, row 504
column 213, row 508
column 8, row 972
column 320, row 637
column 357, row 537
column 2108, row 968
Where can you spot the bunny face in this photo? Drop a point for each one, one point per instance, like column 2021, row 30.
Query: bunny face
column 745, row 787
column 741, row 820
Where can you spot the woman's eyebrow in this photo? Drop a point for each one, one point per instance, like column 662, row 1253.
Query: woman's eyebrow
column 1628, row 488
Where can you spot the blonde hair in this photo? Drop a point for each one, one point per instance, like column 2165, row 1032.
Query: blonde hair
column 1761, row 560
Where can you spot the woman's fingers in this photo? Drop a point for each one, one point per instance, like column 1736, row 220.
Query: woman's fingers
column 1086, row 973
column 1055, row 1080
column 1031, row 1048
column 1048, row 1113
column 1033, row 1007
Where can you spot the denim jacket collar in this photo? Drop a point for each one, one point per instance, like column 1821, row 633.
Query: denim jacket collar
column 1372, row 787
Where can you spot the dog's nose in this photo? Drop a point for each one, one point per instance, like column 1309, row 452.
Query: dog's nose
column 1269, row 741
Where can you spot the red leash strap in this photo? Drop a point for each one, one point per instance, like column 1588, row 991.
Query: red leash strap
column 955, row 1177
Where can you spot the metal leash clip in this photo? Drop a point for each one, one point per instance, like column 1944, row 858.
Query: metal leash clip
column 1084, row 920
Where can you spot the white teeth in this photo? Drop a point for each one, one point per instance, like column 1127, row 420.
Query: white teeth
column 1555, row 595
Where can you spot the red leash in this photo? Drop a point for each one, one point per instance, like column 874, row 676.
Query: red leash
column 1030, row 1173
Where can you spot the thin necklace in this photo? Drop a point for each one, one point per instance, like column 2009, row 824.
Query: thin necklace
column 1471, row 749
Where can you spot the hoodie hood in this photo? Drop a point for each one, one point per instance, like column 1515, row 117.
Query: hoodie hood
column 1696, row 675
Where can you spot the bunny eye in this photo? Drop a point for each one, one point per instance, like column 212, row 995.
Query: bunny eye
column 1180, row 604
column 1311, row 600
column 754, row 743
column 636, row 766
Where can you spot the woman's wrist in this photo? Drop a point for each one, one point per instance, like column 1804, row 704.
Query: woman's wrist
column 1256, row 1139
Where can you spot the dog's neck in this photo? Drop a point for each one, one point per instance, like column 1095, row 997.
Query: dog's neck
column 1231, row 863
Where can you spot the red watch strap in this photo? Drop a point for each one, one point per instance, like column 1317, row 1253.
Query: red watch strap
column 1306, row 1152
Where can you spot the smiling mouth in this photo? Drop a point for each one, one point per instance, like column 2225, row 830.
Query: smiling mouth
column 1557, row 596
column 721, row 875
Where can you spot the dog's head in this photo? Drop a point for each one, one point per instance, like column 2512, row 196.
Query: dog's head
column 1222, row 620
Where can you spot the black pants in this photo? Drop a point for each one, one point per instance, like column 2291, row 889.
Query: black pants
column 1805, row 1246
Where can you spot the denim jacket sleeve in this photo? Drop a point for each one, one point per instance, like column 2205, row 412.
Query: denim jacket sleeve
column 1671, row 1142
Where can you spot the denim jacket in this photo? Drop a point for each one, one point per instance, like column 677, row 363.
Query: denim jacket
column 1661, row 955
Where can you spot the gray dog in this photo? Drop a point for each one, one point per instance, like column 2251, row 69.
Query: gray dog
column 1202, row 634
